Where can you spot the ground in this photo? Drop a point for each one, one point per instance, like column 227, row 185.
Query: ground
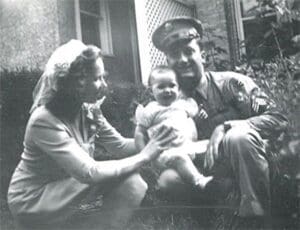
column 161, row 216
column 147, row 218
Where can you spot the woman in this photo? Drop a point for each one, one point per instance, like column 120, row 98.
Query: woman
column 57, row 168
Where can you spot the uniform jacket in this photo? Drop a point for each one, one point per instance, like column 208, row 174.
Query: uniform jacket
column 230, row 96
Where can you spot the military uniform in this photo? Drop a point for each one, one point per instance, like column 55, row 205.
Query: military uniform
column 227, row 96
column 230, row 97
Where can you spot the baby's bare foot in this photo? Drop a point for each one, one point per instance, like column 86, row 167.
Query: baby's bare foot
column 203, row 181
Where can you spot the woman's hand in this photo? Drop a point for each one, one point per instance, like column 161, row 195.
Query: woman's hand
column 212, row 153
column 96, row 108
column 159, row 142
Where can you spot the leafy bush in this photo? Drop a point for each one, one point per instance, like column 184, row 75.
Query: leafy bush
column 16, row 99
column 117, row 107
column 273, row 35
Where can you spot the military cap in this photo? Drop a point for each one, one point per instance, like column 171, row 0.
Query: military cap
column 176, row 29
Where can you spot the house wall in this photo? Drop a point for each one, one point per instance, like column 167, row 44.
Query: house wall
column 66, row 20
column 29, row 33
column 31, row 29
column 212, row 15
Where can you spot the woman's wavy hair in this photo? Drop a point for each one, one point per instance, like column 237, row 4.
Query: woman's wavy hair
column 79, row 67
column 67, row 97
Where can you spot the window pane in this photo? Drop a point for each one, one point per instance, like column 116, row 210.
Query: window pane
column 257, row 45
column 248, row 7
column 91, row 6
column 90, row 30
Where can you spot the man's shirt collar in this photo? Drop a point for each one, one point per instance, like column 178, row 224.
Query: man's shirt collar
column 203, row 90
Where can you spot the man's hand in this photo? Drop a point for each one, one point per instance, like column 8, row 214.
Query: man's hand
column 212, row 153
column 217, row 136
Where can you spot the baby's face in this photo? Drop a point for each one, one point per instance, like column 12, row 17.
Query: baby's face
column 165, row 87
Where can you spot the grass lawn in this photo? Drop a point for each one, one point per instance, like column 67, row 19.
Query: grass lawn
column 146, row 218
column 164, row 217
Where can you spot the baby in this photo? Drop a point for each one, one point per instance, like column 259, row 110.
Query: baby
column 171, row 108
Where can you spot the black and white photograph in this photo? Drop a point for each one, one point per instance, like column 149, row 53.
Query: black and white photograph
column 150, row 114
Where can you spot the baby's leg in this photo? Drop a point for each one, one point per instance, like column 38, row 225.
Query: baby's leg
column 185, row 167
column 161, row 161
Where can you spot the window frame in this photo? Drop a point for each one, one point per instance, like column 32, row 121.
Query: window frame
column 240, row 22
column 104, row 26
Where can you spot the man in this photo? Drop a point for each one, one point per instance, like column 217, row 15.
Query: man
column 236, row 116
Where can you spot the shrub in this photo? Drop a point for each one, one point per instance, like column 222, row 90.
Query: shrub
column 16, row 99
column 116, row 107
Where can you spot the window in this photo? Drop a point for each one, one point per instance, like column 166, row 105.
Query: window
column 250, row 8
column 254, row 28
column 93, row 23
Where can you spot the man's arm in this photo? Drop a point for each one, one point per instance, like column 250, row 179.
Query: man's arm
column 266, row 117
column 258, row 110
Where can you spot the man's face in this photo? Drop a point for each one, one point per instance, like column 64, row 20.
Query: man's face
column 186, row 59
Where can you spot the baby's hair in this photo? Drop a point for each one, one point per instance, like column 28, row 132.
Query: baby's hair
column 159, row 69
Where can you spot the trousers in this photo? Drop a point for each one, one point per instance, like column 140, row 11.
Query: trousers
column 243, row 159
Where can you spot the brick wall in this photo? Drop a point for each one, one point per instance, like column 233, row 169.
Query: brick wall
column 212, row 15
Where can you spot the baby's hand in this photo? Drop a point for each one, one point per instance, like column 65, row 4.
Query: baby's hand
column 202, row 114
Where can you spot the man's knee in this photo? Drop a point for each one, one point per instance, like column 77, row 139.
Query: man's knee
column 236, row 135
column 237, row 139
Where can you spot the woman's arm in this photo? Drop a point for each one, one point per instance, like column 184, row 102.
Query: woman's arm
column 52, row 139
column 105, row 170
column 110, row 139
column 140, row 137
